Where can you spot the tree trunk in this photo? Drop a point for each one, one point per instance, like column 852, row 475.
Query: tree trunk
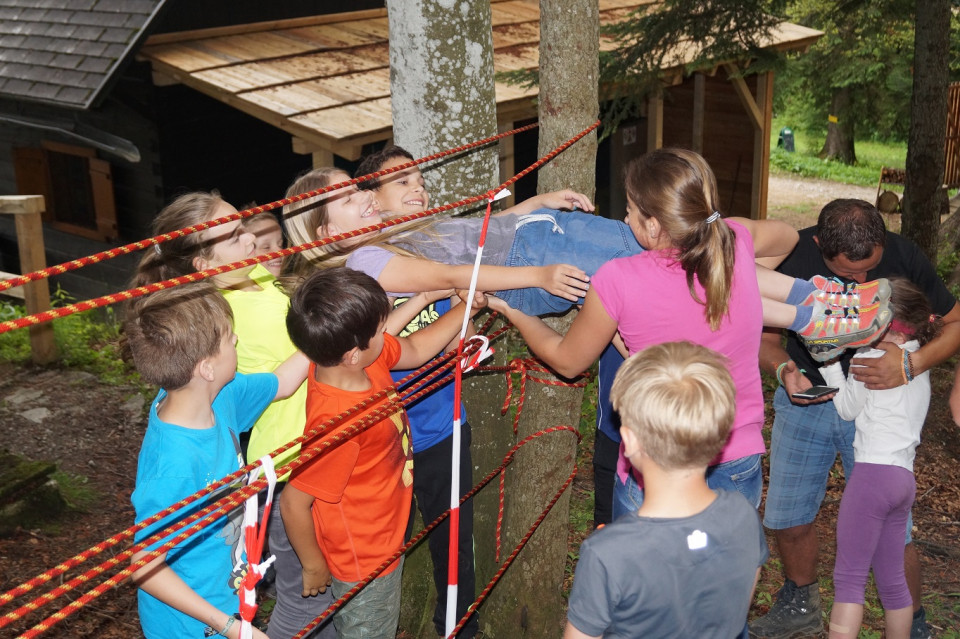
column 531, row 599
column 442, row 91
column 441, row 85
column 924, row 198
column 839, row 143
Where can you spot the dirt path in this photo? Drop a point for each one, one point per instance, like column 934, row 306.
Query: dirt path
column 798, row 201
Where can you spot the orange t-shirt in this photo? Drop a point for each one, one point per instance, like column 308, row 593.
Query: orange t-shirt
column 362, row 488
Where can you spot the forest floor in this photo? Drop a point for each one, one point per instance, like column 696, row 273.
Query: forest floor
column 92, row 431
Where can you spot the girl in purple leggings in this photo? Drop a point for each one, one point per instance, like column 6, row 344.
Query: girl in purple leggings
column 880, row 490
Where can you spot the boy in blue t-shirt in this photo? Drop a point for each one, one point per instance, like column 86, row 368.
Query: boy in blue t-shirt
column 182, row 340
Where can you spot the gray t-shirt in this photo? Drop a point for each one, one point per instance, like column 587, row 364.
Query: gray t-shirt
column 688, row 577
column 449, row 241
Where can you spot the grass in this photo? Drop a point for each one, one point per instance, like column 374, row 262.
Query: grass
column 871, row 157
column 86, row 341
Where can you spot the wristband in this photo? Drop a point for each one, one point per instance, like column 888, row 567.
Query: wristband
column 227, row 626
column 780, row 370
column 907, row 368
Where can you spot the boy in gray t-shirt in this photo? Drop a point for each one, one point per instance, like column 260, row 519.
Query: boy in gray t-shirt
column 686, row 563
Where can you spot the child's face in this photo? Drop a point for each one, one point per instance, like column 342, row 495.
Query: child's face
column 402, row 193
column 229, row 242
column 349, row 209
column 267, row 239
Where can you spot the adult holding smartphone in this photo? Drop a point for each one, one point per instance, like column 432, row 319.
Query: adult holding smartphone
column 850, row 242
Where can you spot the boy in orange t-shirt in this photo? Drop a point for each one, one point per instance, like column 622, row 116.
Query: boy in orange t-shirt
column 346, row 511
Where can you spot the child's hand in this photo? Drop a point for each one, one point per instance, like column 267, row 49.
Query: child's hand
column 479, row 299
column 430, row 297
column 315, row 580
column 564, row 280
column 494, row 303
column 565, row 199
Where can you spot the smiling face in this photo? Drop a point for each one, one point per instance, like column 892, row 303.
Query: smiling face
column 402, row 193
column 348, row 209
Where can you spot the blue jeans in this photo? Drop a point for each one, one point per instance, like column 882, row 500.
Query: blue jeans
column 546, row 236
column 744, row 475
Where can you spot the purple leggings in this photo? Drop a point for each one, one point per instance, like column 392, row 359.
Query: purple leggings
column 870, row 532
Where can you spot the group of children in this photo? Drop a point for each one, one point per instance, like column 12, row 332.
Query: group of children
column 233, row 356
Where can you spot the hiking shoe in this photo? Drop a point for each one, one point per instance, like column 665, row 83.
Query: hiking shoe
column 833, row 292
column 837, row 329
column 920, row 629
column 795, row 614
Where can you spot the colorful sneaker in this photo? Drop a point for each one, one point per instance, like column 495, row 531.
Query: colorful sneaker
column 837, row 329
column 796, row 613
column 834, row 292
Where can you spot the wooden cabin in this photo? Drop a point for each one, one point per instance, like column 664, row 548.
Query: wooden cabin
column 191, row 103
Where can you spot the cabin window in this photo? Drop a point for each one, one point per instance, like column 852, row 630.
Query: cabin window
column 76, row 185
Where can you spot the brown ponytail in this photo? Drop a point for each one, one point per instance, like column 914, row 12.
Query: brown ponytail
column 678, row 188
column 912, row 309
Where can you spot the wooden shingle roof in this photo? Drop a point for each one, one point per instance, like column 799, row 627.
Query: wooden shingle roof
column 64, row 52
column 326, row 79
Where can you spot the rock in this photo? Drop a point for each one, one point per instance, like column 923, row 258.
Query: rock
column 23, row 395
column 36, row 415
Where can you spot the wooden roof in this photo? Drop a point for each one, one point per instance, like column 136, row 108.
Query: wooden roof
column 326, row 79
column 64, row 52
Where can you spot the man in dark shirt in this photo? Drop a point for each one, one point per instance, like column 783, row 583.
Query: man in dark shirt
column 850, row 242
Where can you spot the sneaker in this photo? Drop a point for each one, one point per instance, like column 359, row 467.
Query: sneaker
column 920, row 629
column 795, row 614
column 837, row 329
column 834, row 292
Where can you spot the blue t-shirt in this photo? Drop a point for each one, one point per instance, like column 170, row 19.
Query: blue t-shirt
column 431, row 417
column 175, row 462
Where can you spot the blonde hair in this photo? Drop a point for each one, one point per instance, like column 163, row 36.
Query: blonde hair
column 678, row 189
column 302, row 219
column 174, row 258
column 679, row 400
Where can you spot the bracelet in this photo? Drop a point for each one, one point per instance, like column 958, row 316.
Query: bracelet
column 227, row 626
column 907, row 368
column 780, row 370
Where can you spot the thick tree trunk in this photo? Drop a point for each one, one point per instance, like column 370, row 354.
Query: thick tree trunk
column 441, row 85
column 442, row 90
column 924, row 198
column 532, row 598
column 839, row 143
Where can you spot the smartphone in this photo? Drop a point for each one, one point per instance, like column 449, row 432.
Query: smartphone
column 814, row 392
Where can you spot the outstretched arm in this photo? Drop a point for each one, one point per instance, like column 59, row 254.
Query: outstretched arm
column 403, row 314
column 565, row 199
column 773, row 240
column 403, row 273
column 423, row 345
column 569, row 354
column 290, row 374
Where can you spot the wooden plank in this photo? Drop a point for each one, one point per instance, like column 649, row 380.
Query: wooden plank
column 951, row 174
column 264, row 45
column 332, row 36
column 21, row 204
column 513, row 34
column 303, row 97
column 189, row 56
column 349, row 120
column 272, row 25
column 516, row 58
column 514, row 11
column 699, row 102
column 11, row 292
column 746, row 98
column 761, row 148
column 654, row 123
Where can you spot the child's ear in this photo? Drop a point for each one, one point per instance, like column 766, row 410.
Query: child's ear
column 204, row 368
column 326, row 230
column 351, row 357
column 631, row 444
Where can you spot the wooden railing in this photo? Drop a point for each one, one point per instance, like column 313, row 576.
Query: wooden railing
column 27, row 211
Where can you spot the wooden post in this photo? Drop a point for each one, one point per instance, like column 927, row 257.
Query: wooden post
column 27, row 210
column 654, row 122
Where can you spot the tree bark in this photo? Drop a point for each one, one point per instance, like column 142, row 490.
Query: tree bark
column 839, row 143
column 442, row 91
column 924, row 198
column 531, row 599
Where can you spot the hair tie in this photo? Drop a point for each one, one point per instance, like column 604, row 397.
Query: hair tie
column 932, row 319
column 156, row 247
column 714, row 217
